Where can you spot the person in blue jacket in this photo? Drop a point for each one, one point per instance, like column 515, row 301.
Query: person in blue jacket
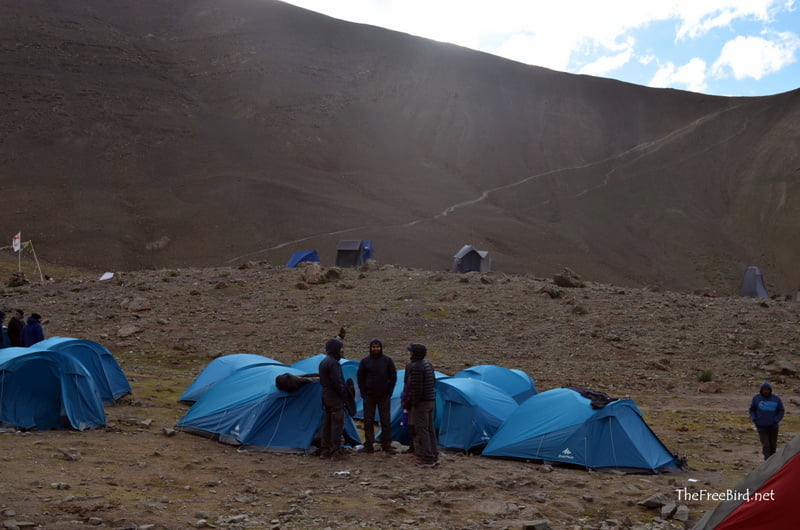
column 32, row 332
column 766, row 411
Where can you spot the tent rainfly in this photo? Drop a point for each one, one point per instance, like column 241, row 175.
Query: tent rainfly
column 219, row 369
column 516, row 383
column 44, row 389
column 470, row 259
column 106, row 372
column 561, row 425
column 300, row 256
column 766, row 498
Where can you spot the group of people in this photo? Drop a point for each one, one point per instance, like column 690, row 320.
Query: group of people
column 377, row 377
column 19, row 332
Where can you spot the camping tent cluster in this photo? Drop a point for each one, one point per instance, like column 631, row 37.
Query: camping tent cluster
column 59, row 383
column 239, row 399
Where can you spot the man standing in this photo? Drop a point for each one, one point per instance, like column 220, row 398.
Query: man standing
column 15, row 326
column 766, row 411
column 377, row 376
column 32, row 332
column 334, row 397
column 421, row 393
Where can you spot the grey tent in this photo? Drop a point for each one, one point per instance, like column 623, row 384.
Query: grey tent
column 753, row 284
column 353, row 252
column 470, row 259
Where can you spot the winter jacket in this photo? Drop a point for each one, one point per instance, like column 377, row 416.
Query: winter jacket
column 376, row 376
column 766, row 412
column 420, row 381
column 334, row 390
column 32, row 332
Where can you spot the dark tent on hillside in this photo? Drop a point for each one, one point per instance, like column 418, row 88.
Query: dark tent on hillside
column 563, row 425
column 766, row 498
column 301, row 256
column 98, row 360
column 470, row 259
column 753, row 284
column 353, row 252
column 45, row 389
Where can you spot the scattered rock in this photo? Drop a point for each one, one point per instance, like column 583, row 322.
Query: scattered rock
column 568, row 278
column 709, row 387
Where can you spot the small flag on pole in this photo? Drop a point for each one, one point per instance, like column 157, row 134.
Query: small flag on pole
column 15, row 242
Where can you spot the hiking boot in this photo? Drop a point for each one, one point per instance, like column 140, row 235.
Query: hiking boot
column 368, row 448
column 389, row 450
column 340, row 456
column 427, row 463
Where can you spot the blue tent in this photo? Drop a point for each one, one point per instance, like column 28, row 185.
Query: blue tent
column 471, row 412
column 301, row 256
column 246, row 408
column 219, row 369
column 753, row 284
column 515, row 383
column 560, row 425
column 44, row 389
column 349, row 370
column 100, row 363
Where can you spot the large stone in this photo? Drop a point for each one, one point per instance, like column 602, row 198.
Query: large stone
column 314, row 274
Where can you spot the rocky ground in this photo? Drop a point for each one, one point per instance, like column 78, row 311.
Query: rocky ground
column 164, row 326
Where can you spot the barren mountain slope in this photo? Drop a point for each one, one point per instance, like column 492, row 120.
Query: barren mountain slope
column 166, row 133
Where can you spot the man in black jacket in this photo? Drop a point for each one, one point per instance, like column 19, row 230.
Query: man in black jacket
column 334, row 398
column 377, row 376
column 15, row 326
column 420, row 386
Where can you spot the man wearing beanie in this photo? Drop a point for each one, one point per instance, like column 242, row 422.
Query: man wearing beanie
column 420, row 386
column 334, row 398
column 377, row 376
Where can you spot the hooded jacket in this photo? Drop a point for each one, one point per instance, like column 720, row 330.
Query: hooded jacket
column 334, row 389
column 766, row 412
column 32, row 332
column 376, row 374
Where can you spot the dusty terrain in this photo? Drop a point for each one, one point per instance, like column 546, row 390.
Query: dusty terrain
column 181, row 133
column 164, row 326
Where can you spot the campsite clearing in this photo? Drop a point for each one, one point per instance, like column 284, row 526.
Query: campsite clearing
column 165, row 326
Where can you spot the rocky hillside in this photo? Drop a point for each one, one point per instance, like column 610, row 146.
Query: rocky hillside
column 176, row 133
column 690, row 362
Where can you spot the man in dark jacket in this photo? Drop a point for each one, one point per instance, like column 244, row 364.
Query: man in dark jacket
column 334, row 398
column 377, row 376
column 32, row 332
column 766, row 411
column 420, row 389
column 15, row 326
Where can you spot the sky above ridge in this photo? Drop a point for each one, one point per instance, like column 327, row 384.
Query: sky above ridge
column 720, row 47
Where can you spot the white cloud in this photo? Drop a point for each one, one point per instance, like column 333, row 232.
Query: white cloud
column 691, row 76
column 604, row 65
column 756, row 57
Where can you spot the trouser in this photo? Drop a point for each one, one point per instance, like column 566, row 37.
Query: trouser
column 383, row 404
column 426, row 446
column 769, row 441
column 332, row 428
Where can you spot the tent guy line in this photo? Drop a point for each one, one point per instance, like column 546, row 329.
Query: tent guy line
column 641, row 149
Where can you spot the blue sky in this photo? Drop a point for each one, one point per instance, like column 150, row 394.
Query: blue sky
column 720, row 47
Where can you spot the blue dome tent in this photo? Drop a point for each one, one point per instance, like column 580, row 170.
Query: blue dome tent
column 219, row 369
column 247, row 409
column 561, row 425
column 44, row 389
column 98, row 360
column 515, row 383
column 301, row 256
